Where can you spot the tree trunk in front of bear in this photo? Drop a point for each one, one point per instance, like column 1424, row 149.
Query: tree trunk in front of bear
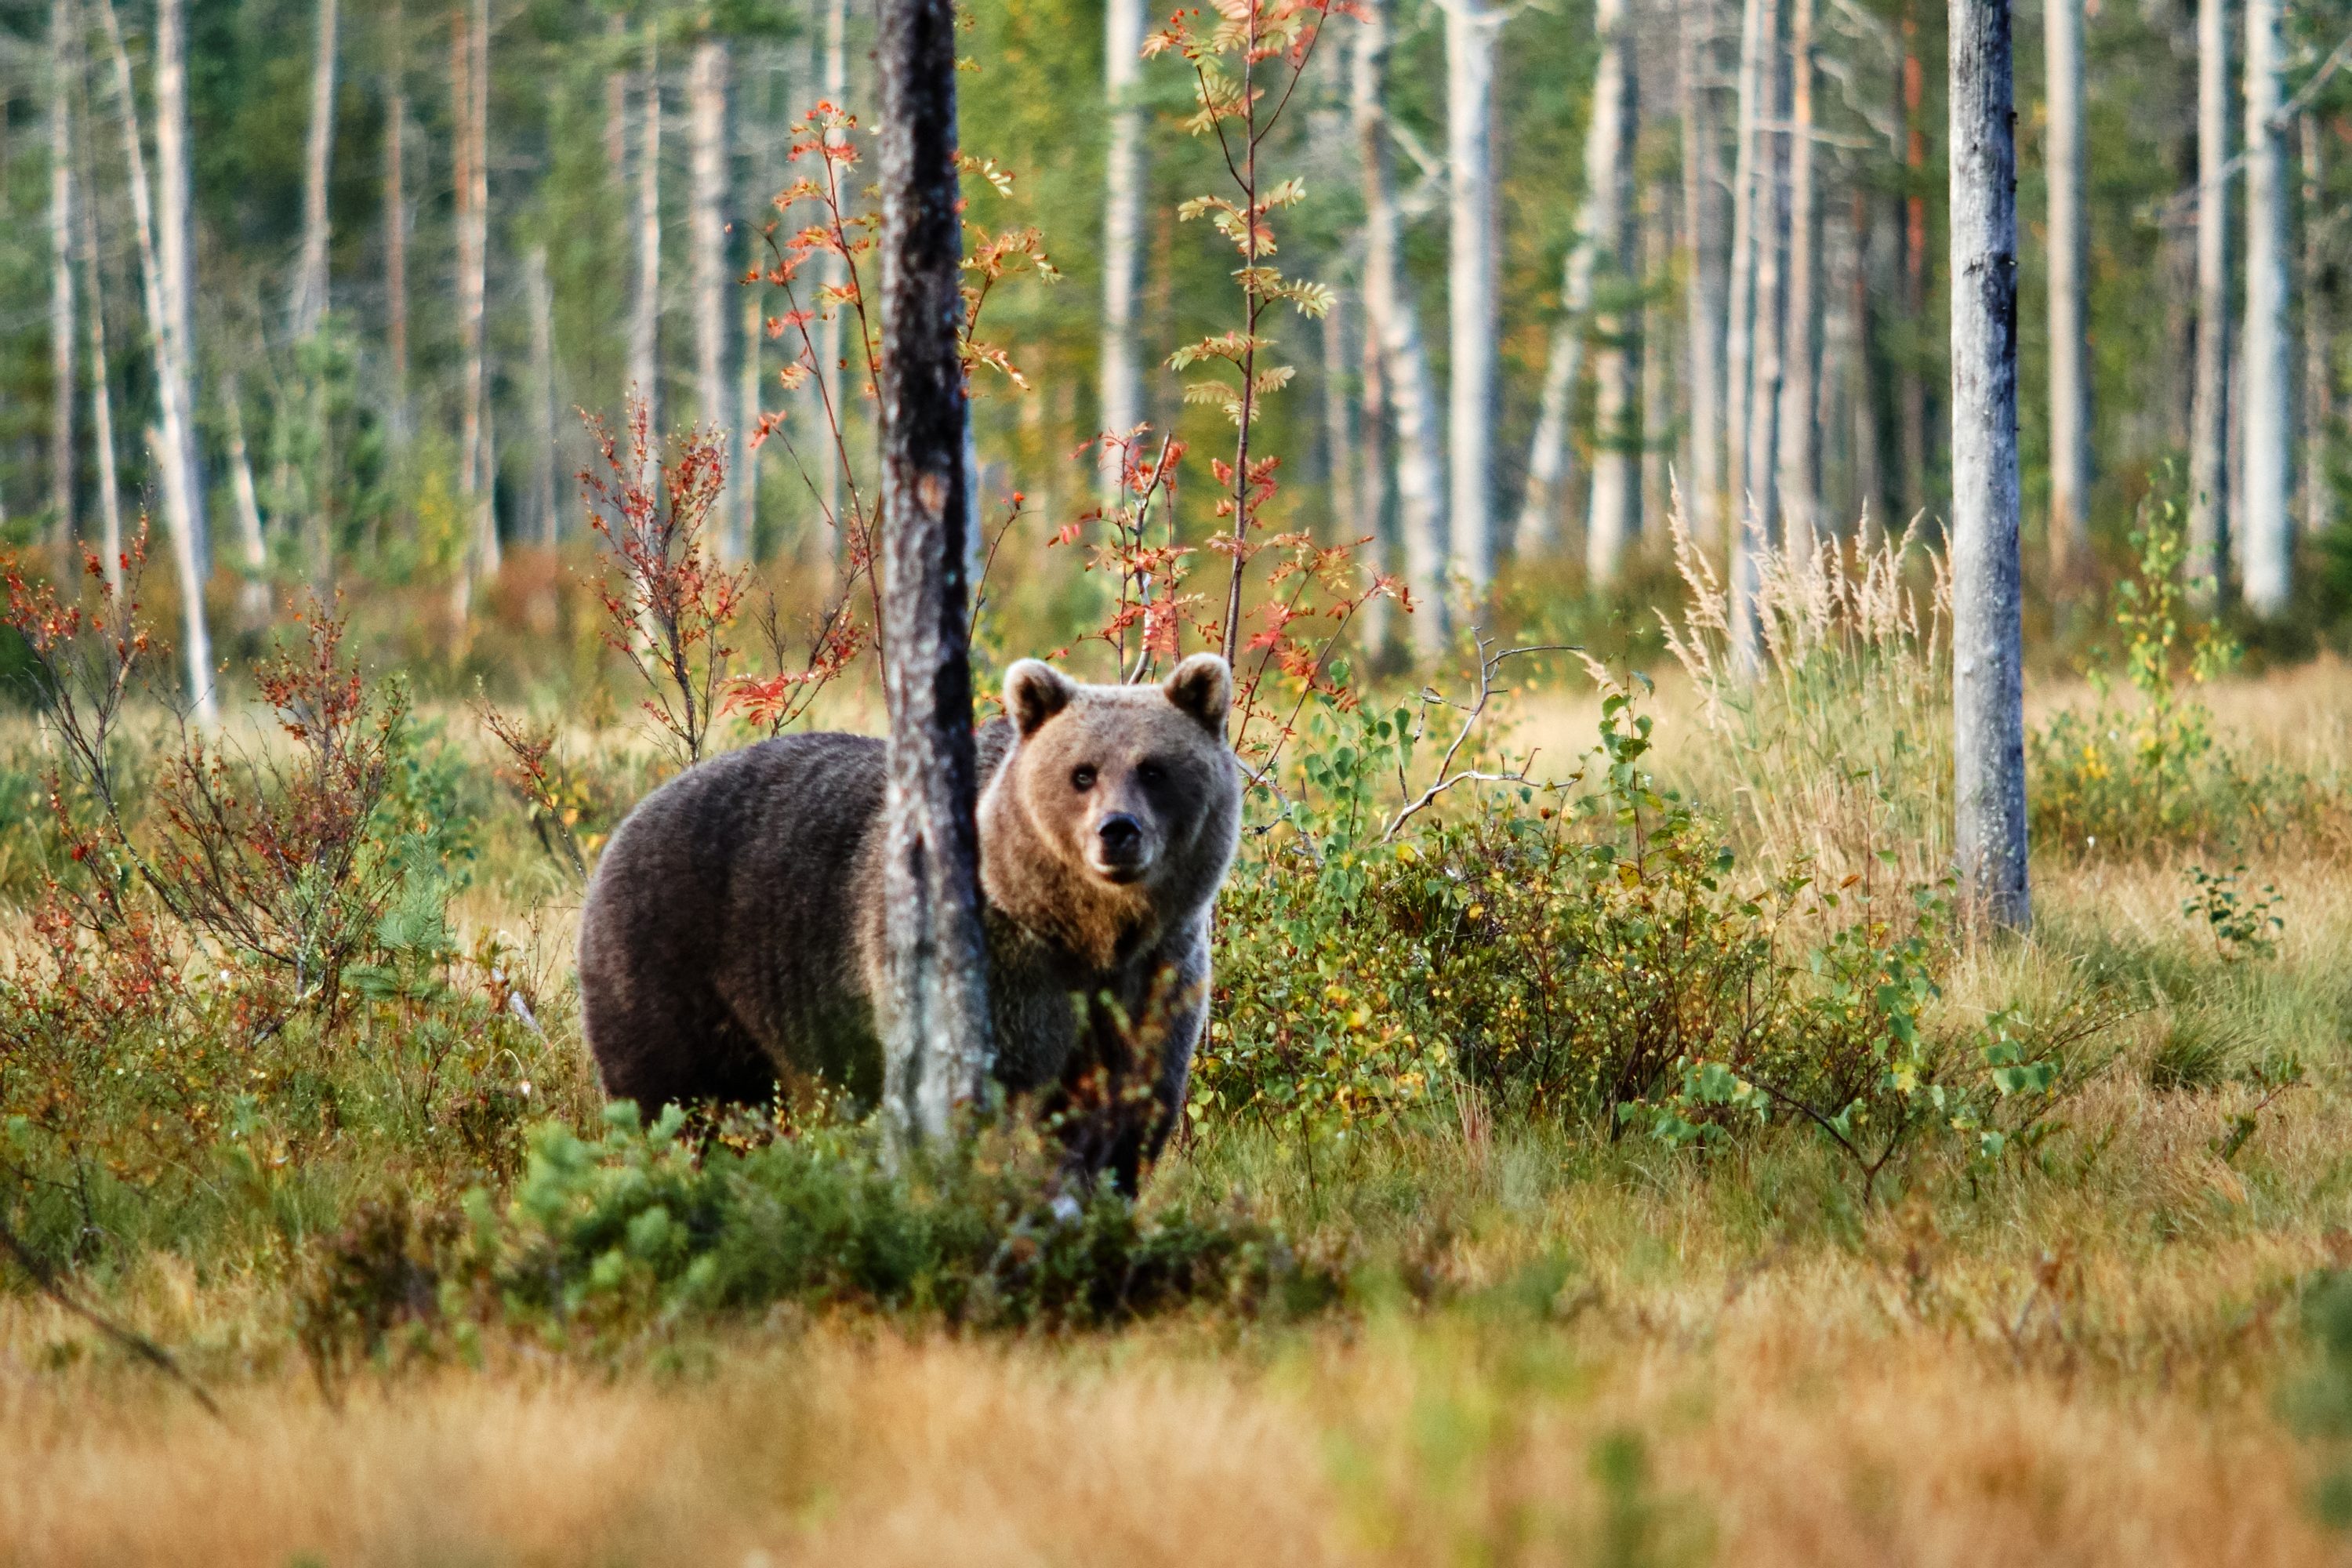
column 935, row 1016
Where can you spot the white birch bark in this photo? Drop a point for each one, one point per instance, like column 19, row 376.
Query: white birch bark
column 1758, row 28
column 469, row 75
column 61, row 287
column 1372, row 522
column 706, row 81
column 2070, row 380
column 645, row 308
column 309, row 291
column 2319, row 335
column 1704, row 286
column 253, row 585
column 1988, row 676
column 1755, row 522
column 1124, row 174
column 2208, row 490
column 1470, row 29
column 102, row 398
column 168, row 441
column 1611, row 513
column 539, row 299
column 2269, row 528
column 1393, row 315
column 175, row 241
column 1799, row 435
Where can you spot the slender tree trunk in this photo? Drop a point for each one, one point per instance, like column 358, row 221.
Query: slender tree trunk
column 309, row 292
column 707, row 124
column 748, row 374
column 1988, row 677
column 395, row 229
column 1339, row 423
column 1470, row 28
column 1612, row 513
column 2209, row 487
column 936, row 1017
column 175, row 242
column 830, row 480
column 1124, row 174
column 1758, row 28
column 1371, row 523
column 1391, row 314
column 1800, row 443
column 1911, row 376
column 168, row 441
column 1703, row 303
column 102, row 398
column 469, row 85
column 253, row 586
column 1833, row 421
column 1604, row 138
column 644, row 310
column 1757, row 524
column 62, row 69
column 2269, row 524
column 540, row 300
column 2070, row 379
column 1870, row 507
column 1658, row 409
column 2319, row 335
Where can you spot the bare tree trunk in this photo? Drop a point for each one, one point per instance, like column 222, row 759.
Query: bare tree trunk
column 936, row 1014
column 469, row 86
column 175, row 242
column 309, row 291
column 1756, row 524
column 644, row 310
column 1658, row 409
column 170, row 440
column 1988, row 675
column 2319, row 335
column 2269, row 526
column 1911, row 379
column 1799, row 445
column 540, row 299
column 1758, row 28
column 1834, row 389
column 1870, row 507
column 102, row 398
column 1124, row 173
column 1470, row 28
column 1703, row 303
column 2070, row 379
column 1371, row 523
column 1611, row 517
column 62, row 68
column 830, row 480
column 2208, row 489
column 1391, row 314
column 252, row 587
column 1605, row 137
column 706, row 81
column 396, row 226
column 1339, row 423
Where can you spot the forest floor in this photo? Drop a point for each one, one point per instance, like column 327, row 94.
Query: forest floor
column 1555, row 1347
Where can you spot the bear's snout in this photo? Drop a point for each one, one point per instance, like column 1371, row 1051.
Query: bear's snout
column 1122, row 849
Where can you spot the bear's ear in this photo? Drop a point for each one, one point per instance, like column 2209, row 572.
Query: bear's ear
column 1203, row 687
column 1035, row 691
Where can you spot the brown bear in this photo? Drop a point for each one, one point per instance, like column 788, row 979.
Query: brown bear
column 733, row 930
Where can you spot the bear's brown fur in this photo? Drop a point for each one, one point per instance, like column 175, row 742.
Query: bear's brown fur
column 734, row 929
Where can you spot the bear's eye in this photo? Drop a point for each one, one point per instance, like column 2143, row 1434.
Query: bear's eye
column 1150, row 773
column 1082, row 779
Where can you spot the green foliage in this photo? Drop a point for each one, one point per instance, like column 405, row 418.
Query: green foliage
column 2243, row 923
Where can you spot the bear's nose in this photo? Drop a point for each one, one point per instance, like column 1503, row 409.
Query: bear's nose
column 1120, row 832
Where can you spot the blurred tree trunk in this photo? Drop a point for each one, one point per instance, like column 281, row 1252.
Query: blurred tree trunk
column 253, row 585
column 1757, row 31
column 2268, row 527
column 1755, row 525
column 2069, row 245
column 170, row 441
column 1799, row 435
column 644, row 307
column 831, row 536
column 309, row 292
column 1869, row 506
column 1393, row 315
column 62, row 68
column 2208, row 492
column 101, row 397
column 469, row 88
column 1613, row 514
column 1911, row 376
column 1658, row 410
column 2318, row 334
column 1338, row 425
column 1703, row 274
column 746, row 521
column 707, row 123
column 1988, row 678
column 395, row 223
column 1470, row 29
column 175, row 241
column 1372, row 475
column 539, row 298
column 1538, row 529
column 1124, row 172
column 936, row 1013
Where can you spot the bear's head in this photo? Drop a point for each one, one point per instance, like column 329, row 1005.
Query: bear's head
column 1116, row 806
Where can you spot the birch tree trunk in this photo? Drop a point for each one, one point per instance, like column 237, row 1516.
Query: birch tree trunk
column 1911, row 379
column 1799, row 448
column 1611, row 515
column 396, row 226
column 2269, row 527
column 935, row 1015
column 1124, row 173
column 61, row 288
column 1372, row 447
column 2070, row 380
column 1988, row 676
column 706, row 204
column 2319, row 335
column 308, row 300
column 2208, row 486
column 1393, row 316
column 469, row 82
column 1704, row 289
column 645, row 308
column 103, row 453
column 1658, row 409
column 1870, row 507
column 1470, row 28
column 1339, row 423
column 253, row 585
column 1604, row 136
column 1756, row 525
column 1758, row 29
column 175, row 242
column 539, row 298
column 168, row 440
